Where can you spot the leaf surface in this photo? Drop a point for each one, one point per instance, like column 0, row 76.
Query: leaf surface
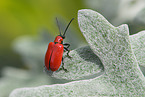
column 122, row 76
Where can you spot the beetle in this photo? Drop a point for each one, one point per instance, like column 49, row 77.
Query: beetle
column 54, row 53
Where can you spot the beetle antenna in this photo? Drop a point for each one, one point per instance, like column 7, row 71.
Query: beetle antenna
column 58, row 27
column 67, row 27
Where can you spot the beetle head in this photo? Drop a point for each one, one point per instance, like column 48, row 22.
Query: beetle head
column 58, row 39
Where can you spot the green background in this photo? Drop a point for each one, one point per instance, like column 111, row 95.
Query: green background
column 28, row 17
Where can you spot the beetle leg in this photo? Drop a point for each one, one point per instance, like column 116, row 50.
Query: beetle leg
column 62, row 67
column 67, row 52
column 66, row 44
column 67, row 49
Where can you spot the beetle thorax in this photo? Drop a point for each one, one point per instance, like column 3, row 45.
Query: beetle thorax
column 58, row 39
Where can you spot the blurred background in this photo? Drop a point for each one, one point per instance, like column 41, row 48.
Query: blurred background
column 31, row 17
column 27, row 26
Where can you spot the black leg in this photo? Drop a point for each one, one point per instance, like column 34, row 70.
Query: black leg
column 67, row 49
column 67, row 52
column 62, row 67
column 66, row 44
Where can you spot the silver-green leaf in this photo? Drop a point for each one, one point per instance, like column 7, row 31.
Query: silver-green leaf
column 84, row 64
column 138, row 46
column 122, row 76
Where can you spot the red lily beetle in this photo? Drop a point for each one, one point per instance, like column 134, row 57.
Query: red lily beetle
column 54, row 53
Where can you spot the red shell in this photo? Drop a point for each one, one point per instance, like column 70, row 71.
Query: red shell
column 53, row 56
column 58, row 39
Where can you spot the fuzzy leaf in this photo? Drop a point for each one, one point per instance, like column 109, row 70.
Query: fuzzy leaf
column 138, row 46
column 122, row 76
column 84, row 64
